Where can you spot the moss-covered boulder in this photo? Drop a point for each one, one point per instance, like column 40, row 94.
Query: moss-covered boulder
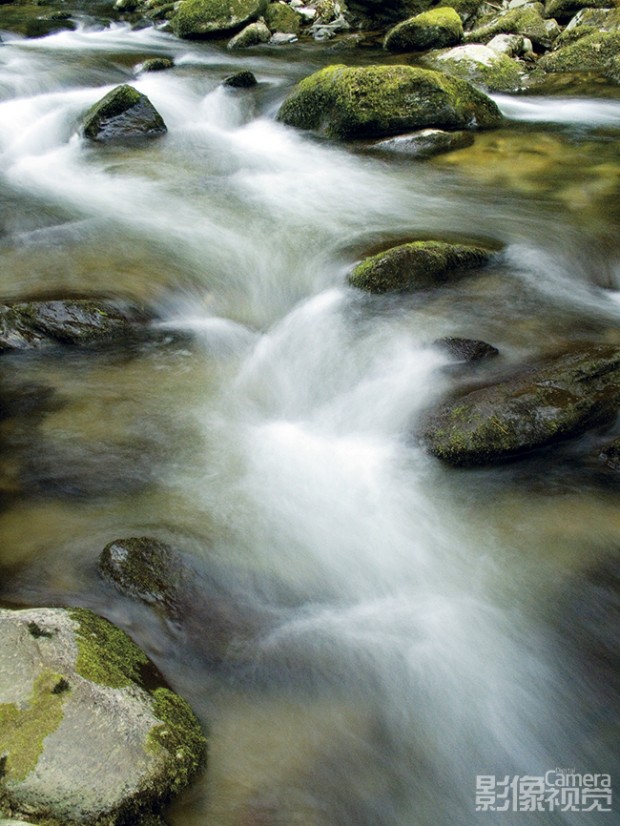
column 432, row 29
column 481, row 65
column 425, row 143
column 240, row 80
column 282, row 18
column 376, row 101
column 420, row 265
column 204, row 18
column 565, row 9
column 82, row 739
column 540, row 406
column 594, row 52
column 527, row 21
column 157, row 64
column 33, row 324
column 146, row 569
column 466, row 9
column 373, row 12
column 123, row 114
column 252, row 35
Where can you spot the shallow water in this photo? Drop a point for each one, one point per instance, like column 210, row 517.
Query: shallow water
column 371, row 629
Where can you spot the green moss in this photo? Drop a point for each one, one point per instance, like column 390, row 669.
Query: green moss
column 281, row 18
column 594, row 52
column 493, row 72
column 464, row 8
column 415, row 266
column 372, row 101
column 22, row 731
column 527, row 22
column 430, row 30
column 116, row 102
column 106, row 655
column 199, row 18
column 180, row 735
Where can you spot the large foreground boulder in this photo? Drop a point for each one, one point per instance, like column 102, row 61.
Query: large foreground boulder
column 28, row 325
column 82, row 740
column 419, row 265
column 377, row 101
column 538, row 407
column 204, row 18
column 123, row 114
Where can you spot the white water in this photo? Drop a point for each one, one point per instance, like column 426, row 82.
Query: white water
column 403, row 651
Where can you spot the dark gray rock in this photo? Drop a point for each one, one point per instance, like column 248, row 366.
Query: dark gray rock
column 241, row 80
column 466, row 349
column 123, row 114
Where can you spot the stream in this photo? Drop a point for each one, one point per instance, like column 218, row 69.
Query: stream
column 370, row 630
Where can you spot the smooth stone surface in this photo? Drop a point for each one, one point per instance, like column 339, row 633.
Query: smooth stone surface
column 426, row 143
column 466, row 349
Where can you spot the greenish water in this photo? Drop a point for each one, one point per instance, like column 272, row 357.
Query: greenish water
column 370, row 630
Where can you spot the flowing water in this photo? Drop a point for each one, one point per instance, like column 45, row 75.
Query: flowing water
column 368, row 629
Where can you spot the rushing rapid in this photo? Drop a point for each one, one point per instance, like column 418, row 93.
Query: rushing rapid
column 395, row 629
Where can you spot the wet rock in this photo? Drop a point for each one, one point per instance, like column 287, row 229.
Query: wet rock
column 481, row 65
column 466, row 349
column 123, row 114
column 511, row 45
column 202, row 18
column 157, row 64
column 35, row 324
column 240, row 80
column 594, row 52
column 282, row 18
column 526, row 21
column 610, row 454
column 376, row 101
column 282, row 39
column 419, row 265
column 145, row 569
column 34, row 20
column 83, row 740
column 537, row 407
column 432, row 29
column 252, row 35
column 425, row 143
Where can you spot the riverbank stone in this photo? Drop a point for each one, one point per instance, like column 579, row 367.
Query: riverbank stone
column 419, row 265
column 432, row 29
column 123, row 114
column 82, row 739
column 537, row 407
column 378, row 101
column 34, row 324
column 204, row 18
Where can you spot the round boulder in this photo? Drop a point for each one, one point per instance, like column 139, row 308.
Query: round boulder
column 204, row 18
column 432, row 29
column 82, row 740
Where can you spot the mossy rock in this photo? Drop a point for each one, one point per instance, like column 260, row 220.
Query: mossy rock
column 240, row 80
column 33, row 20
column 83, row 740
column 123, row 114
column 157, row 64
column 432, row 29
column 383, row 12
column 466, row 9
column 481, row 65
column 610, row 454
column 527, row 21
column 565, row 9
column 205, row 18
column 536, row 408
column 78, row 322
column 594, row 52
column 282, row 18
column 252, row 35
column 377, row 101
column 420, row 265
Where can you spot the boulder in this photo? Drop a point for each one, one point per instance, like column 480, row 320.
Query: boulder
column 466, row 349
column 240, row 80
column 425, row 144
column 373, row 12
column 537, row 407
column 466, row 9
column 565, row 9
column 204, row 18
column 252, row 35
column 432, row 29
column 123, row 114
column 594, row 52
column 525, row 20
column 610, row 454
column 282, row 18
column 377, row 101
column 481, row 65
column 34, row 324
column 157, row 64
column 420, row 265
column 83, row 740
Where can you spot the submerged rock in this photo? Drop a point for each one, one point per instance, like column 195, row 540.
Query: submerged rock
column 466, row 349
column 202, row 18
column 481, row 65
column 157, row 64
column 425, row 143
column 124, row 113
column 432, row 29
column 537, row 407
column 419, row 265
column 82, row 739
column 373, row 101
column 34, row 324
column 252, row 35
